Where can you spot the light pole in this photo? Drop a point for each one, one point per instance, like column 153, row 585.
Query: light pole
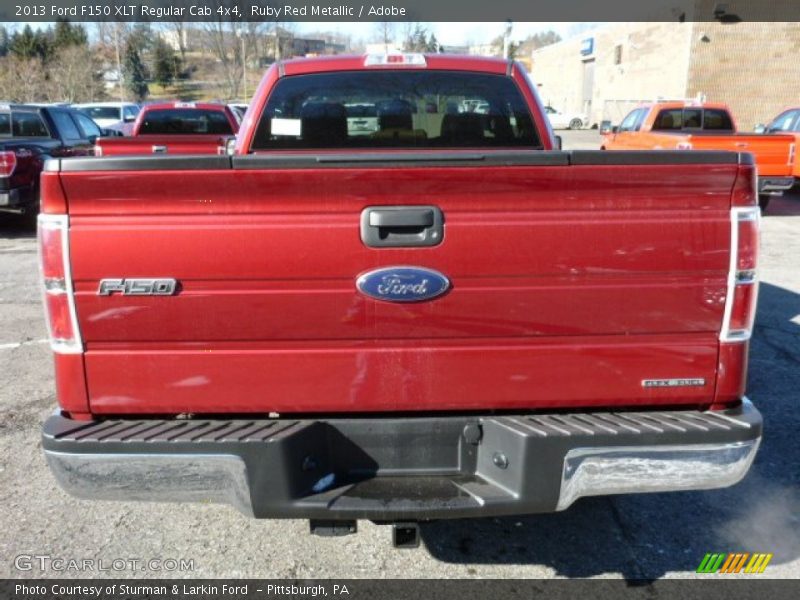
column 241, row 34
column 507, row 38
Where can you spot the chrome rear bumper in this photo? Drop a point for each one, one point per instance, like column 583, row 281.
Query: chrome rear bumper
column 411, row 468
column 774, row 185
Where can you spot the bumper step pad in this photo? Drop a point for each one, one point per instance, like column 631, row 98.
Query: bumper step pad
column 402, row 468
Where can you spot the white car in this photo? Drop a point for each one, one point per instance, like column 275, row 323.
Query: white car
column 362, row 119
column 238, row 109
column 112, row 115
column 559, row 120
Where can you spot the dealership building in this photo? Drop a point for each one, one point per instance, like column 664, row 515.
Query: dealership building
column 754, row 67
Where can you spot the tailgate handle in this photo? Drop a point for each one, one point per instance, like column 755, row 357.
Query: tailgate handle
column 398, row 226
column 412, row 217
column 159, row 149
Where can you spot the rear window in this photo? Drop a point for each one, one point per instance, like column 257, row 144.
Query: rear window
column 22, row 124
column 395, row 109
column 693, row 118
column 185, row 121
column 717, row 119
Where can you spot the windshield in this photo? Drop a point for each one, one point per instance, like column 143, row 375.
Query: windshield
column 396, row 109
column 185, row 121
column 102, row 112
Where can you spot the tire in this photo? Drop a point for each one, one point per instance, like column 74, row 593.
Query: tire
column 29, row 217
column 763, row 202
column 575, row 124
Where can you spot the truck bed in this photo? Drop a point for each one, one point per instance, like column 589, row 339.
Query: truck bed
column 774, row 153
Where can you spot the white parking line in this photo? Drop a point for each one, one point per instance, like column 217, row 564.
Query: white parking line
column 12, row 345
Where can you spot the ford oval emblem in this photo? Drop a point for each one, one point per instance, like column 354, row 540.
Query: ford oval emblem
column 402, row 284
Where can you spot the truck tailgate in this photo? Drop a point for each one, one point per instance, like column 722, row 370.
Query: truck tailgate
column 162, row 144
column 774, row 154
column 572, row 282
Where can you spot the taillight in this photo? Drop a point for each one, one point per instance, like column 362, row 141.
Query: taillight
column 57, row 291
column 740, row 303
column 8, row 162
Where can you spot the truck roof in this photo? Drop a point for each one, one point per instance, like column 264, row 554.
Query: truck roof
column 450, row 62
column 687, row 104
column 108, row 104
column 190, row 105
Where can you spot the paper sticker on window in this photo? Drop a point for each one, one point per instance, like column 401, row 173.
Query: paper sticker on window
column 286, row 126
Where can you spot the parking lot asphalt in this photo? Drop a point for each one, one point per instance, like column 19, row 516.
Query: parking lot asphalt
column 635, row 537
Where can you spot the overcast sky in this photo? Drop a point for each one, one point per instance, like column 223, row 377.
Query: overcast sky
column 450, row 34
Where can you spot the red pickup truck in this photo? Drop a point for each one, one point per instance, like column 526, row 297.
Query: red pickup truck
column 175, row 128
column 443, row 317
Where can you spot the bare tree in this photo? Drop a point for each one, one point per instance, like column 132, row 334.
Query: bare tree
column 180, row 28
column 220, row 38
column 22, row 79
column 384, row 33
column 231, row 44
column 111, row 38
column 74, row 76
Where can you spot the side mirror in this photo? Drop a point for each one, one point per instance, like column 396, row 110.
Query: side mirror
column 558, row 142
column 128, row 118
column 760, row 128
column 228, row 146
column 605, row 127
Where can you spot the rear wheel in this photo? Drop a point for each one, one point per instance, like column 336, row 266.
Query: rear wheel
column 575, row 124
column 763, row 201
column 28, row 218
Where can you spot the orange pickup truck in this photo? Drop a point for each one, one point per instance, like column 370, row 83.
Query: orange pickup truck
column 706, row 126
column 788, row 123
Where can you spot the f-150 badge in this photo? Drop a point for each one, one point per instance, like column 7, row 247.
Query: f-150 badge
column 402, row 284
column 137, row 287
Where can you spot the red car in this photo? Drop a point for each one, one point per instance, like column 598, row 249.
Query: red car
column 175, row 128
column 439, row 316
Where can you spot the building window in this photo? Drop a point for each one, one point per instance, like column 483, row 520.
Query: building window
column 618, row 54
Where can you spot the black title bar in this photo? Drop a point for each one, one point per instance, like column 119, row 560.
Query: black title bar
column 164, row 11
column 373, row 589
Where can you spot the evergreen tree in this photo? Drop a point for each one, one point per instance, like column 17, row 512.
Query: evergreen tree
column 30, row 44
column 134, row 72
column 66, row 34
column 164, row 63
column 4, row 41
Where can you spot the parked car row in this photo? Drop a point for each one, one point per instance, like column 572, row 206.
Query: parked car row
column 112, row 115
column 711, row 126
column 30, row 134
